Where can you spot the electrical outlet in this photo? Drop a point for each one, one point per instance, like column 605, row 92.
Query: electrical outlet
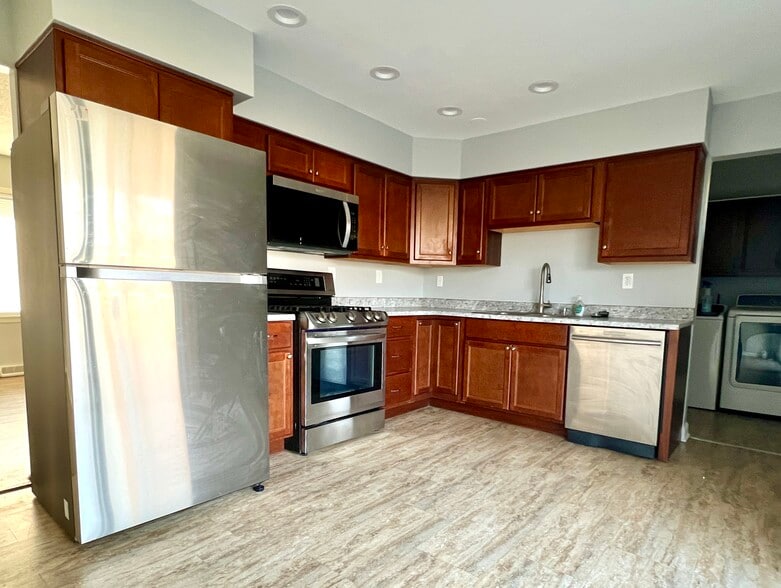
column 378, row 276
column 628, row 281
column 440, row 281
column 66, row 508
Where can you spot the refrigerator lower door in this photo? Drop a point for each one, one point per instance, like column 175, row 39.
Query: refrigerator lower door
column 167, row 381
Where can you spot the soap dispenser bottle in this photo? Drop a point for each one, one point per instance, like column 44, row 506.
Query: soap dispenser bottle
column 578, row 309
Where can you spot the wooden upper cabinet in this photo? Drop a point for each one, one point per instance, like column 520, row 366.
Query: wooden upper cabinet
column 537, row 379
column 565, row 194
column 486, row 373
column 436, row 214
column 447, row 343
column 332, row 169
column 396, row 214
column 651, row 206
column 249, row 133
column 195, row 106
column 102, row 75
column 370, row 188
column 511, row 199
column 476, row 244
column 290, row 157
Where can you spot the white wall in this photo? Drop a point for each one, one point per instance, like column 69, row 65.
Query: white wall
column 356, row 278
column 572, row 254
column 746, row 126
column 653, row 124
column 284, row 105
column 179, row 33
column 436, row 158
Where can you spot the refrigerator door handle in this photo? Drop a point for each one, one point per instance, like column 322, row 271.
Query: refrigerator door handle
column 155, row 275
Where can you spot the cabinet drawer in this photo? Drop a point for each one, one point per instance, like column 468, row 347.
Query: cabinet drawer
column 398, row 358
column 519, row 332
column 280, row 335
column 401, row 326
column 398, row 389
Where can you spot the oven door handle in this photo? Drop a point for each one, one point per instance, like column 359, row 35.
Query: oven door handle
column 322, row 340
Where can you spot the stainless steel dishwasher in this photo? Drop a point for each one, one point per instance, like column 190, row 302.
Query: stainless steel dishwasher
column 614, row 388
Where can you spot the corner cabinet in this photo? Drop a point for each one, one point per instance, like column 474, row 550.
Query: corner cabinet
column 651, row 206
column 75, row 64
column 435, row 216
column 476, row 244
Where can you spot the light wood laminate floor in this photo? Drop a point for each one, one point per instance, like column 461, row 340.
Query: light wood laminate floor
column 14, row 449
column 442, row 499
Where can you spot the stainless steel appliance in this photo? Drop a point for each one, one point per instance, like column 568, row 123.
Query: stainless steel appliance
column 308, row 218
column 751, row 377
column 614, row 387
column 339, row 361
column 705, row 362
column 142, row 269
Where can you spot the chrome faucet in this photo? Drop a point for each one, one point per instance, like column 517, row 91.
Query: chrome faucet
column 541, row 305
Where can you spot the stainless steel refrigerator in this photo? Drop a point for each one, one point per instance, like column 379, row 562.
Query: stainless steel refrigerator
column 142, row 252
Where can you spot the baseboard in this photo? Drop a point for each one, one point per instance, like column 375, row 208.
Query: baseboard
column 276, row 445
column 523, row 420
column 408, row 407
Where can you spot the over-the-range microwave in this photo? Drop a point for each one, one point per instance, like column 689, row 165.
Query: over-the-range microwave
column 307, row 218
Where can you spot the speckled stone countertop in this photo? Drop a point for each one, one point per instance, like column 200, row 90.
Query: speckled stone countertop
column 632, row 317
column 273, row 317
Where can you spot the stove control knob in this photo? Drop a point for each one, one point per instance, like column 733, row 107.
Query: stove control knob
column 368, row 316
column 351, row 316
column 320, row 317
column 332, row 317
column 379, row 316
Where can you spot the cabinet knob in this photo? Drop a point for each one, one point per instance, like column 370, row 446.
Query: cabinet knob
column 507, row 348
column 539, row 212
column 531, row 212
column 604, row 246
column 310, row 171
column 450, row 252
column 513, row 348
column 317, row 173
column 290, row 356
column 478, row 252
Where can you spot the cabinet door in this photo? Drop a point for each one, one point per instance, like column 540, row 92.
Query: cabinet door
column 511, row 200
column 447, row 336
column 280, row 394
column 370, row 189
column 105, row 76
column 651, row 204
column 396, row 213
column 334, row 170
column 424, row 356
column 435, row 221
column 290, row 157
column 486, row 373
column 537, row 380
column 472, row 222
column 191, row 105
column 725, row 239
column 564, row 194
column 762, row 253
column 398, row 389
column 250, row 134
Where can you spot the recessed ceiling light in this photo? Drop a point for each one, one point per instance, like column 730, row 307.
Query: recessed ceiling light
column 384, row 73
column 478, row 119
column 449, row 111
column 543, row 87
column 287, row 16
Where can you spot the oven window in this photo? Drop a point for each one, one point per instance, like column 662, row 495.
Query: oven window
column 346, row 370
column 759, row 354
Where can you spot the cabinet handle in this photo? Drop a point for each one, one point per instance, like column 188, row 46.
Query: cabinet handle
column 604, row 246
column 270, row 336
column 290, row 356
column 513, row 348
column 395, row 356
column 395, row 390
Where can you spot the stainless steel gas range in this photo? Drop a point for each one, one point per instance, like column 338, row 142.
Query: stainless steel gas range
column 339, row 361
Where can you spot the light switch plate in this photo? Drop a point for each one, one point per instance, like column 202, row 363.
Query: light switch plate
column 440, row 281
column 628, row 281
column 378, row 276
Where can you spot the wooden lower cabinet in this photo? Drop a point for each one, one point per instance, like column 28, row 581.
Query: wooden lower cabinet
column 424, row 356
column 400, row 359
column 486, row 374
column 537, row 377
column 398, row 389
column 446, row 351
column 280, row 384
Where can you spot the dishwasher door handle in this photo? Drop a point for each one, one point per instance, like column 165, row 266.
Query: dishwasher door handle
column 611, row 340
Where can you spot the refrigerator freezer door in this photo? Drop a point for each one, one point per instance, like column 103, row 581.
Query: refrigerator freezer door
column 168, row 386
column 136, row 192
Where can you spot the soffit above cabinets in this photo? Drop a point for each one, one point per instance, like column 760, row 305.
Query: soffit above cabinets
column 482, row 56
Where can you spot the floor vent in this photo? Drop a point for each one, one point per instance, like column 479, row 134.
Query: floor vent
column 6, row 371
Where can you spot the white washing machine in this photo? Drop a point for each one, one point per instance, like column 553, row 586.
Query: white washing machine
column 751, row 377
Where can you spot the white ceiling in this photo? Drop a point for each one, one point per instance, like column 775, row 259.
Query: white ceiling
column 481, row 56
column 6, row 126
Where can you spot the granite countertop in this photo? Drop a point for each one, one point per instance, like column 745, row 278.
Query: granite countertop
column 631, row 323
column 274, row 317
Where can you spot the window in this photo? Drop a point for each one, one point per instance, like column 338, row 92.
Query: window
column 9, row 270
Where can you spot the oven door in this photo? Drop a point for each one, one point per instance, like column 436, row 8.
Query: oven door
column 343, row 373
